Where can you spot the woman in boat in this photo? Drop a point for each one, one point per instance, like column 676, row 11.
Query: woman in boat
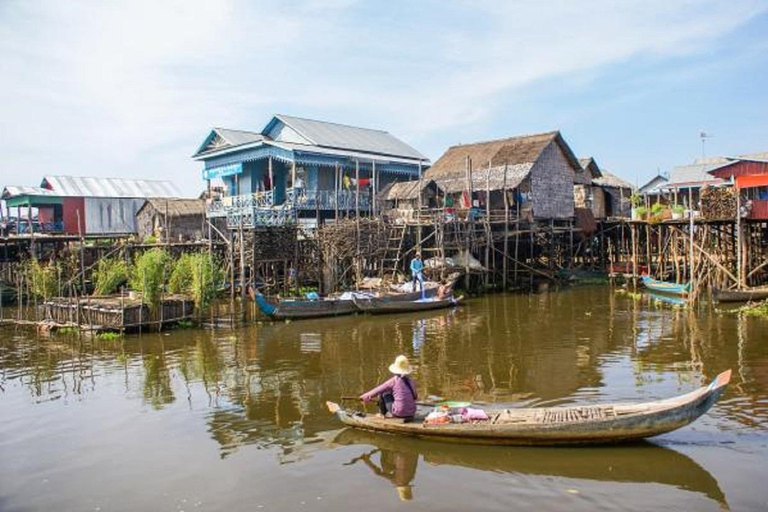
column 397, row 396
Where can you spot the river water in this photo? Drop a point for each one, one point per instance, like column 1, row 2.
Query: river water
column 234, row 419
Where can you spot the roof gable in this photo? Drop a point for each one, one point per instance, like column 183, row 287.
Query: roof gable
column 175, row 207
column 222, row 138
column 339, row 136
column 512, row 151
column 609, row 179
column 589, row 164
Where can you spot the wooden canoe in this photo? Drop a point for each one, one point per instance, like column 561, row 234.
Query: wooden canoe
column 295, row 309
column 384, row 305
column 665, row 287
column 576, row 424
column 746, row 295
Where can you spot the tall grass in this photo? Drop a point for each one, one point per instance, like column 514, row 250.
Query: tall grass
column 109, row 274
column 197, row 275
column 43, row 279
column 148, row 275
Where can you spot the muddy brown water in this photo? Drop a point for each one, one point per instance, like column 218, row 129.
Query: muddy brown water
column 234, row 419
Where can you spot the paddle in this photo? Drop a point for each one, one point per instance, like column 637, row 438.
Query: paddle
column 434, row 401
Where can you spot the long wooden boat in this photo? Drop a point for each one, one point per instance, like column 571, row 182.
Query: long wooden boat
column 665, row 287
column 576, row 424
column 384, row 305
column 746, row 295
column 344, row 304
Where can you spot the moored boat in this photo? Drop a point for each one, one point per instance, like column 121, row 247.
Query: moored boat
column 343, row 304
column 744, row 295
column 383, row 305
column 665, row 287
column 562, row 425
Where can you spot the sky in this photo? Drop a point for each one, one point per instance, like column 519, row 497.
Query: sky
column 131, row 89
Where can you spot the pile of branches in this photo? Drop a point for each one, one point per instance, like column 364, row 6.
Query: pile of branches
column 275, row 243
column 340, row 240
column 718, row 203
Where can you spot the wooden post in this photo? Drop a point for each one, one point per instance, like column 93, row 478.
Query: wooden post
column 357, row 194
column 739, row 243
column 690, row 235
column 375, row 185
column 335, row 192
column 468, row 222
column 488, row 232
column 506, row 230
column 418, row 214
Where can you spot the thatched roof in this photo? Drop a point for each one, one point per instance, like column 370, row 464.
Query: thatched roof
column 612, row 181
column 513, row 151
column 491, row 179
column 405, row 190
column 589, row 164
column 175, row 207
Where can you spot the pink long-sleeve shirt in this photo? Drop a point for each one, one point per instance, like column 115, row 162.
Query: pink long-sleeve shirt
column 405, row 401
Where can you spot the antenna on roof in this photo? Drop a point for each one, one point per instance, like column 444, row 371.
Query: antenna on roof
column 704, row 136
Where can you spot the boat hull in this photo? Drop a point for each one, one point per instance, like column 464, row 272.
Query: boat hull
column 380, row 306
column 290, row 309
column 755, row 294
column 572, row 425
column 664, row 287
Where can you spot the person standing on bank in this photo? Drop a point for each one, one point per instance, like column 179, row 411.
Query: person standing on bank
column 417, row 268
column 397, row 396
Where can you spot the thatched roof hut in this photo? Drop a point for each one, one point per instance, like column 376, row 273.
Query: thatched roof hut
column 171, row 218
column 541, row 166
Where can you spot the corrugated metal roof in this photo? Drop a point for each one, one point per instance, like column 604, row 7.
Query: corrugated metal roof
column 694, row 174
column 73, row 186
column 16, row 190
column 341, row 136
column 238, row 137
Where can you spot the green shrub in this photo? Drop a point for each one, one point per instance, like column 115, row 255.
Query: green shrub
column 181, row 276
column 679, row 209
column 109, row 275
column 148, row 275
column 43, row 279
column 150, row 239
column 207, row 274
column 641, row 211
column 657, row 208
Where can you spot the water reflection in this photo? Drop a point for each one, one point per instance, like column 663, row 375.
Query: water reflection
column 639, row 463
column 264, row 386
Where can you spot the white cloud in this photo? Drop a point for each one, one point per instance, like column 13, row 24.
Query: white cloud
column 130, row 88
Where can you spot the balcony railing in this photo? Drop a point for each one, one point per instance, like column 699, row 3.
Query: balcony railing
column 259, row 206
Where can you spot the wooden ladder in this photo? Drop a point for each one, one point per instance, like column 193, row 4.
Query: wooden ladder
column 394, row 251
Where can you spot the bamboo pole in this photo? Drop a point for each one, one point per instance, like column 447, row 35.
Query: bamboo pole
column 506, row 230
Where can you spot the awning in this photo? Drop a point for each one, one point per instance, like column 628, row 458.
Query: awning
column 756, row 180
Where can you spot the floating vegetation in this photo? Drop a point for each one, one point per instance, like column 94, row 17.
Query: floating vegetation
column 109, row 336
column 109, row 275
column 759, row 309
column 184, row 324
column 68, row 331
column 626, row 293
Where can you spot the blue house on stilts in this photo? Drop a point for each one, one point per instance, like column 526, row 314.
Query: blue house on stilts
column 300, row 168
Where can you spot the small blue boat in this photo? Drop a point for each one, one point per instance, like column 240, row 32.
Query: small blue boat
column 665, row 287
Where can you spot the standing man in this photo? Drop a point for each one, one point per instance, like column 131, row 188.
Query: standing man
column 417, row 267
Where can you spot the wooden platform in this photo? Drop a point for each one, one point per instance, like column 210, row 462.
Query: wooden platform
column 114, row 312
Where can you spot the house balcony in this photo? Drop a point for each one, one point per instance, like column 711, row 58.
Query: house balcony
column 259, row 208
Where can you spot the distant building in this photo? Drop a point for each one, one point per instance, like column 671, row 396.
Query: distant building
column 654, row 187
column 612, row 196
column 749, row 174
column 583, row 189
column 172, row 219
column 298, row 167
column 685, row 182
column 536, row 172
column 91, row 206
